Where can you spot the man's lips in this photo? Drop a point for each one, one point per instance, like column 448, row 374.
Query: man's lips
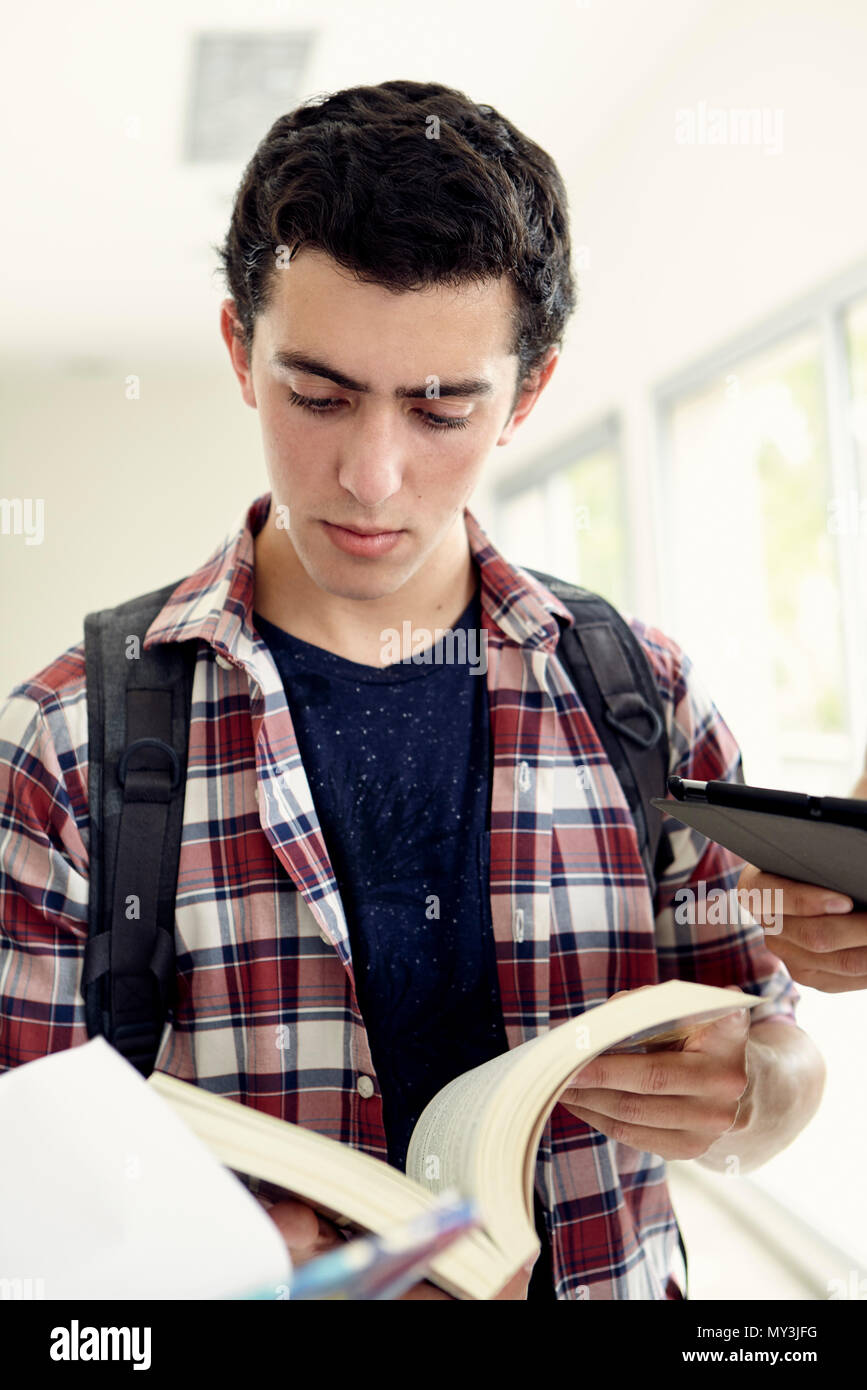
column 363, row 530
column 362, row 543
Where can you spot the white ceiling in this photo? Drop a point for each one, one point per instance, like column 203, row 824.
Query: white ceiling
column 107, row 233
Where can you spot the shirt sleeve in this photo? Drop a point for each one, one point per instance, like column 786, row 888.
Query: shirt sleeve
column 703, row 933
column 43, row 891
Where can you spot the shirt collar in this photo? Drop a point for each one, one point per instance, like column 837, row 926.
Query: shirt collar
column 523, row 608
column 215, row 603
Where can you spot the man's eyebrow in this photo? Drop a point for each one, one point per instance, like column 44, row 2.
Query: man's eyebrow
column 300, row 362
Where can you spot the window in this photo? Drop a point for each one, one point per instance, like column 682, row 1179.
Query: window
column 856, row 345
column 759, row 557
column 566, row 516
column 751, row 579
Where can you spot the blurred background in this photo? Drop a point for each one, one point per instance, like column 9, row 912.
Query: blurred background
column 699, row 457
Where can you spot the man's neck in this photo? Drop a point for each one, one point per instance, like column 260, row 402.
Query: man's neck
column 435, row 597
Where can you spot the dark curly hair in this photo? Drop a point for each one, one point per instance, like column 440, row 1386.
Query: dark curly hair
column 407, row 184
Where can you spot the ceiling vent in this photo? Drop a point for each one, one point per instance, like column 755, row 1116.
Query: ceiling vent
column 241, row 83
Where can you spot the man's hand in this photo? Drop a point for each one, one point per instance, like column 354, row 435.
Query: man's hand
column 514, row 1291
column 308, row 1234
column 818, row 946
column 675, row 1102
column 305, row 1232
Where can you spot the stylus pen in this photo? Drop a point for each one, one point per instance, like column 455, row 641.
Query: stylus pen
column 749, row 798
column 830, row 809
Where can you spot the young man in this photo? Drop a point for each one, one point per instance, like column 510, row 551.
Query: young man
column 393, row 870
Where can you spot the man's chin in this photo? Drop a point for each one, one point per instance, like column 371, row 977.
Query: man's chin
column 367, row 593
column 365, row 581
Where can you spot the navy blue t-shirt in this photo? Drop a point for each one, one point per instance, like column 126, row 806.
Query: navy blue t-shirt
column 399, row 766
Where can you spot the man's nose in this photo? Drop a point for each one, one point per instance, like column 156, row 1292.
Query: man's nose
column 370, row 459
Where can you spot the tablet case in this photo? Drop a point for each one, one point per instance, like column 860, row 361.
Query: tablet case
column 820, row 852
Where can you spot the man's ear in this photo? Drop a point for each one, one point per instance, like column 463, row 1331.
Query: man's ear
column 530, row 393
column 233, row 337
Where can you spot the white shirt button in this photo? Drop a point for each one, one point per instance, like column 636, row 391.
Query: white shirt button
column 365, row 1087
column 226, row 665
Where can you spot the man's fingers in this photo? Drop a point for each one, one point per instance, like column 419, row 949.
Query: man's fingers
column 848, row 967
column 668, row 1143
column 692, row 1114
column 516, row 1289
column 304, row 1230
column 797, row 899
column 297, row 1222
column 829, row 984
column 426, row 1291
column 824, row 934
column 653, row 1073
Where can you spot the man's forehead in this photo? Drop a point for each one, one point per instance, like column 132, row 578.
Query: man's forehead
column 310, row 280
column 313, row 263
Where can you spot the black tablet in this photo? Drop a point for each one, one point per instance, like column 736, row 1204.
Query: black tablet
column 814, row 839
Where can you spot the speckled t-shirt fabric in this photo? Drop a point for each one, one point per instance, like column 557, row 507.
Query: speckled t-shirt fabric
column 398, row 764
column 398, row 761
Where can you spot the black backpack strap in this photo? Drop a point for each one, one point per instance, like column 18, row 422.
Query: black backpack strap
column 612, row 675
column 138, row 708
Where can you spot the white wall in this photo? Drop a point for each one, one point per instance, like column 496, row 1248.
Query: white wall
column 136, row 493
column 689, row 246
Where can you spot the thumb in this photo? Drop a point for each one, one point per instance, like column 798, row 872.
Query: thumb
column 721, row 1036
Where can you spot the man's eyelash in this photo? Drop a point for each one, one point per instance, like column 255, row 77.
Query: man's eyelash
column 326, row 405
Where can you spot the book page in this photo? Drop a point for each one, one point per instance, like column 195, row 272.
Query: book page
column 481, row 1132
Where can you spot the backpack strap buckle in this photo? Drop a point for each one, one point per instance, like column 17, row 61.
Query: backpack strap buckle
column 628, row 704
column 150, row 743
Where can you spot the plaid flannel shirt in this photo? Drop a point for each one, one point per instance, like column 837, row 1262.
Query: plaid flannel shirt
column 267, row 1011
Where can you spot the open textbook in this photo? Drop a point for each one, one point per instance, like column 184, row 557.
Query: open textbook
column 479, row 1135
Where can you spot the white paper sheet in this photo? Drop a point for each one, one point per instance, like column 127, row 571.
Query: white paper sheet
column 105, row 1193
